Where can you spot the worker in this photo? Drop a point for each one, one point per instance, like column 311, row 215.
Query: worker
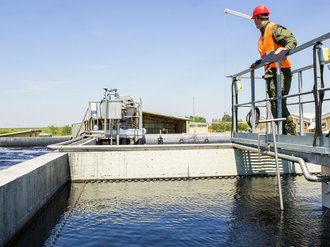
column 275, row 38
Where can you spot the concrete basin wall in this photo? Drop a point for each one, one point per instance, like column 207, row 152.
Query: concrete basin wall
column 31, row 141
column 173, row 161
column 153, row 163
column 25, row 188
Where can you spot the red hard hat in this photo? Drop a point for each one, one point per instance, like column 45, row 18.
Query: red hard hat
column 260, row 10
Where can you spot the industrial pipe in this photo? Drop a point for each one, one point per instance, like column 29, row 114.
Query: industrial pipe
column 300, row 161
column 239, row 14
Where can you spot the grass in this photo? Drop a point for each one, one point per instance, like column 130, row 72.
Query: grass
column 53, row 130
column 10, row 130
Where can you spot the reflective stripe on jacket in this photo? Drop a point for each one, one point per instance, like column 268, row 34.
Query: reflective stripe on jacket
column 267, row 44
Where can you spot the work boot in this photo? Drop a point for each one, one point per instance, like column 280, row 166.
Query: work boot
column 289, row 128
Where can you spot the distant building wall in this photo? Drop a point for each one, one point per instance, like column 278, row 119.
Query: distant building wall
column 198, row 128
column 326, row 123
column 308, row 125
column 309, row 122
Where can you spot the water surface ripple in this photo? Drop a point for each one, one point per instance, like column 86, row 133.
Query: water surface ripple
column 215, row 212
column 13, row 156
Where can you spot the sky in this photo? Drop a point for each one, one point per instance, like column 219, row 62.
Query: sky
column 57, row 55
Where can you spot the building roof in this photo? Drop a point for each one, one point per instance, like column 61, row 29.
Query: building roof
column 308, row 115
column 165, row 116
column 311, row 126
column 326, row 115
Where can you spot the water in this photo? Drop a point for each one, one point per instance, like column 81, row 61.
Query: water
column 13, row 156
column 210, row 212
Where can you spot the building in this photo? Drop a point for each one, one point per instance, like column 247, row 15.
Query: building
column 326, row 122
column 195, row 128
column 308, row 121
column 156, row 123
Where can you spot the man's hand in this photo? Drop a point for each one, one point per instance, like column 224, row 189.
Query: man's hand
column 279, row 50
column 252, row 66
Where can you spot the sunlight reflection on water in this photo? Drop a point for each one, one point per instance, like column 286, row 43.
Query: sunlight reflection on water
column 222, row 212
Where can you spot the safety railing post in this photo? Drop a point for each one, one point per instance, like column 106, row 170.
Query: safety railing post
column 300, row 105
column 318, row 96
column 253, row 104
column 278, row 175
column 106, row 118
column 268, row 111
column 234, row 91
column 279, row 96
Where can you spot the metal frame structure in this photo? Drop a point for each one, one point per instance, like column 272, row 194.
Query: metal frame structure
column 317, row 91
column 291, row 148
column 113, row 120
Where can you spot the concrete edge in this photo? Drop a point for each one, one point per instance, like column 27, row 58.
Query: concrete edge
column 25, row 188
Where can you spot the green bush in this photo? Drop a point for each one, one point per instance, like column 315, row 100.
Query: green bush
column 66, row 130
column 197, row 119
column 58, row 131
column 242, row 126
column 224, row 127
column 220, row 127
column 4, row 131
column 12, row 130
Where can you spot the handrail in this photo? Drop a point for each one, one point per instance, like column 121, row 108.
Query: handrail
column 310, row 43
column 295, row 50
column 285, row 97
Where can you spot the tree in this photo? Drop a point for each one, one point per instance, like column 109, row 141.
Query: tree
column 58, row 131
column 66, row 130
column 53, row 130
column 197, row 119
column 220, row 127
column 242, row 126
column 224, row 124
column 226, row 117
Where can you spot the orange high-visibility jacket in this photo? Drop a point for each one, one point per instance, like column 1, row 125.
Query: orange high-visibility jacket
column 266, row 44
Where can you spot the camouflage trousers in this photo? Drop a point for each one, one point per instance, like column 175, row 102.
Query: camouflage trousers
column 289, row 126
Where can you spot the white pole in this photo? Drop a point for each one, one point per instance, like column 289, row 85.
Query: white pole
column 239, row 14
column 278, row 175
column 194, row 109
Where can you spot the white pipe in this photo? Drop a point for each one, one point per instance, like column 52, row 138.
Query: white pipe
column 278, row 175
column 300, row 161
column 239, row 14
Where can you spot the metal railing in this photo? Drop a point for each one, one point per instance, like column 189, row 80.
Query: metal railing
column 318, row 90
